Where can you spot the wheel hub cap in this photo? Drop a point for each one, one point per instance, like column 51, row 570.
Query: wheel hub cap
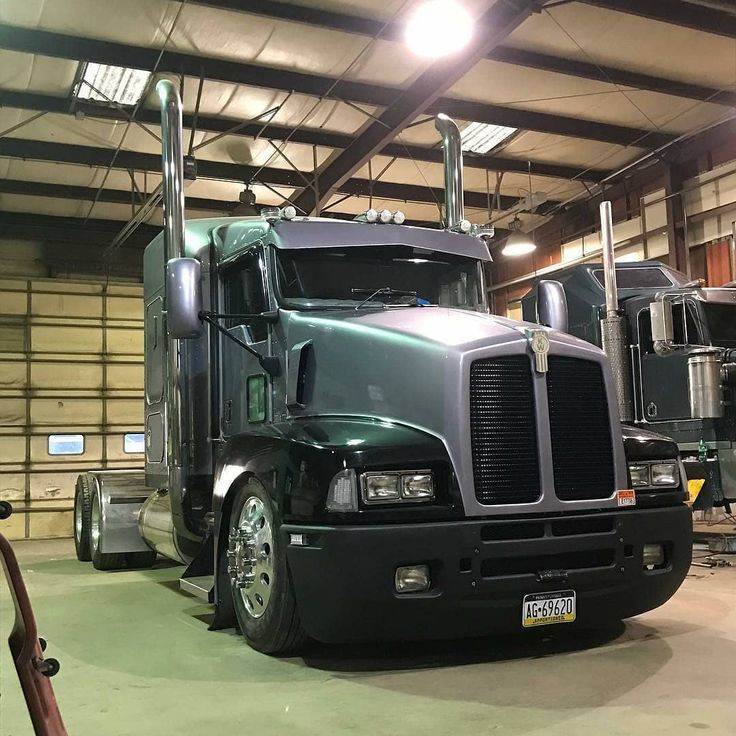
column 250, row 557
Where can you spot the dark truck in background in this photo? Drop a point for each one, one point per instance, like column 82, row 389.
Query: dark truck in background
column 342, row 443
column 679, row 369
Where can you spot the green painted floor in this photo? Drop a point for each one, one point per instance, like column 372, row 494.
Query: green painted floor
column 137, row 659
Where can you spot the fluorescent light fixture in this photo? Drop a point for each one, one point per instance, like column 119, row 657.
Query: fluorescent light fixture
column 484, row 137
column 438, row 28
column 119, row 84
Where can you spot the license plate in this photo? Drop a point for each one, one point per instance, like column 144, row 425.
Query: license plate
column 541, row 609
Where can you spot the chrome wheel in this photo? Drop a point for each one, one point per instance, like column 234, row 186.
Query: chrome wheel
column 78, row 521
column 251, row 556
column 95, row 523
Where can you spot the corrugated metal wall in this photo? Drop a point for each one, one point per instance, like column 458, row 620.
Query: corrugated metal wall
column 71, row 362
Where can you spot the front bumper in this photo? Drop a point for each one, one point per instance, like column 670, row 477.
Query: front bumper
column 481, row 570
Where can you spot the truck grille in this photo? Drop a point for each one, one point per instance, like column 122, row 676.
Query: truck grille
column 503, row 431
column 582, row 453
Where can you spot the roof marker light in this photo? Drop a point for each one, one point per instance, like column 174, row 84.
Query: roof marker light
column 288, row 212
column 399, row 217
column 385, row 216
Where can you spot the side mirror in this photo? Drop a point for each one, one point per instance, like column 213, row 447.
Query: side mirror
column 660, row 313
column 183, row 298
column 552, row 305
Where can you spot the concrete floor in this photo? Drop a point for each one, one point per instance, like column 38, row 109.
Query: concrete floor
column 137, row 659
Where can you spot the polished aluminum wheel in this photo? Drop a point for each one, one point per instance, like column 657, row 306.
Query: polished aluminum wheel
column 94, row 523
column 250, row 556
column 78, row 511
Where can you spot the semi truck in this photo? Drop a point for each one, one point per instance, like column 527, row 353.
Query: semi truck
column 343, row 444
column 673, row 357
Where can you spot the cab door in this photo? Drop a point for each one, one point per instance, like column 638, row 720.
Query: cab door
column 245, row 385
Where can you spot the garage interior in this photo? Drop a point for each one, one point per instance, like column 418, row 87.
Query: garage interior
column 328, row 106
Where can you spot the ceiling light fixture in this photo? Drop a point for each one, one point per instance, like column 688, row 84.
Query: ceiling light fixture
column 438, row 28
column 518, row 243
column 119, row 84
column 484, row 137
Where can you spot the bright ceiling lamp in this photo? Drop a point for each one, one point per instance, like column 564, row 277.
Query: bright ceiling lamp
column 518, row 243
column 119, row 84
column 484, row 137
column 438, row 28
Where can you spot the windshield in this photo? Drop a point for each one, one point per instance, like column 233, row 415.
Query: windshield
column 721, row 320
column 378, row 275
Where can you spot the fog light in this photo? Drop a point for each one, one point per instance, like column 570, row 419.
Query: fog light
column 639, row 475
column 412, row 579
column 381, row 487
column 653, row 555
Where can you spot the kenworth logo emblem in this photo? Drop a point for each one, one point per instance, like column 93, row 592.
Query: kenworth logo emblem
column 540, row 345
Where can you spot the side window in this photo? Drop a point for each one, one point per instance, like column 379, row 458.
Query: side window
column 645, row 333
column 244, row 294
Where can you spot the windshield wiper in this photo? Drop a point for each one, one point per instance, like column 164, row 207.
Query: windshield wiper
column 383, row 291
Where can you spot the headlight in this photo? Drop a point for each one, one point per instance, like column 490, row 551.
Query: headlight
column 654, row 474
column 382, row 487
column 664, row 474
column 639, row 475
column 397, row 486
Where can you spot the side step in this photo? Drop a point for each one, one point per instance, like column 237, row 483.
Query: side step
column 202, row 587
column 199, row 578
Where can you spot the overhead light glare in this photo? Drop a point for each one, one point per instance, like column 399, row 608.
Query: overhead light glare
column 438, row 28
column 518, row 243
column 484, row 137
column 119, row 84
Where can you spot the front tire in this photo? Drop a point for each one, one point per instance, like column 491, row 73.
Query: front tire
column 82, row 509
column 260, row 581
column 100, row 560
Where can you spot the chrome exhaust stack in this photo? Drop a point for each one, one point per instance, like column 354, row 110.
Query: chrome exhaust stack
column 613, row 327
column 453, row 159
column 172, row 167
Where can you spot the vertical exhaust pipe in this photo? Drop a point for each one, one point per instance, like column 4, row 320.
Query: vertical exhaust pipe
column 453, row 158
column 172, row 166
column 613, row 326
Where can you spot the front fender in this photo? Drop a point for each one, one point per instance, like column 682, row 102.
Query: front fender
column 296, row 460
column 641, row 445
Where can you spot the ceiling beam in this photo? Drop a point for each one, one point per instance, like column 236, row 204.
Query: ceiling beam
column 58, row 45
column 313, row 137
column 45, row 228
column 394, row 31
column 504, row 16
column 224, row 171
column 112, row 196
column 613, row 75
column 126, row 197
column 675, row 12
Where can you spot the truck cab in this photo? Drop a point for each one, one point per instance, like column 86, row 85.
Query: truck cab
column 343, row 444
column 665, row 374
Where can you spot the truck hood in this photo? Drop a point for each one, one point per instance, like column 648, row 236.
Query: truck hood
column 410, row 365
